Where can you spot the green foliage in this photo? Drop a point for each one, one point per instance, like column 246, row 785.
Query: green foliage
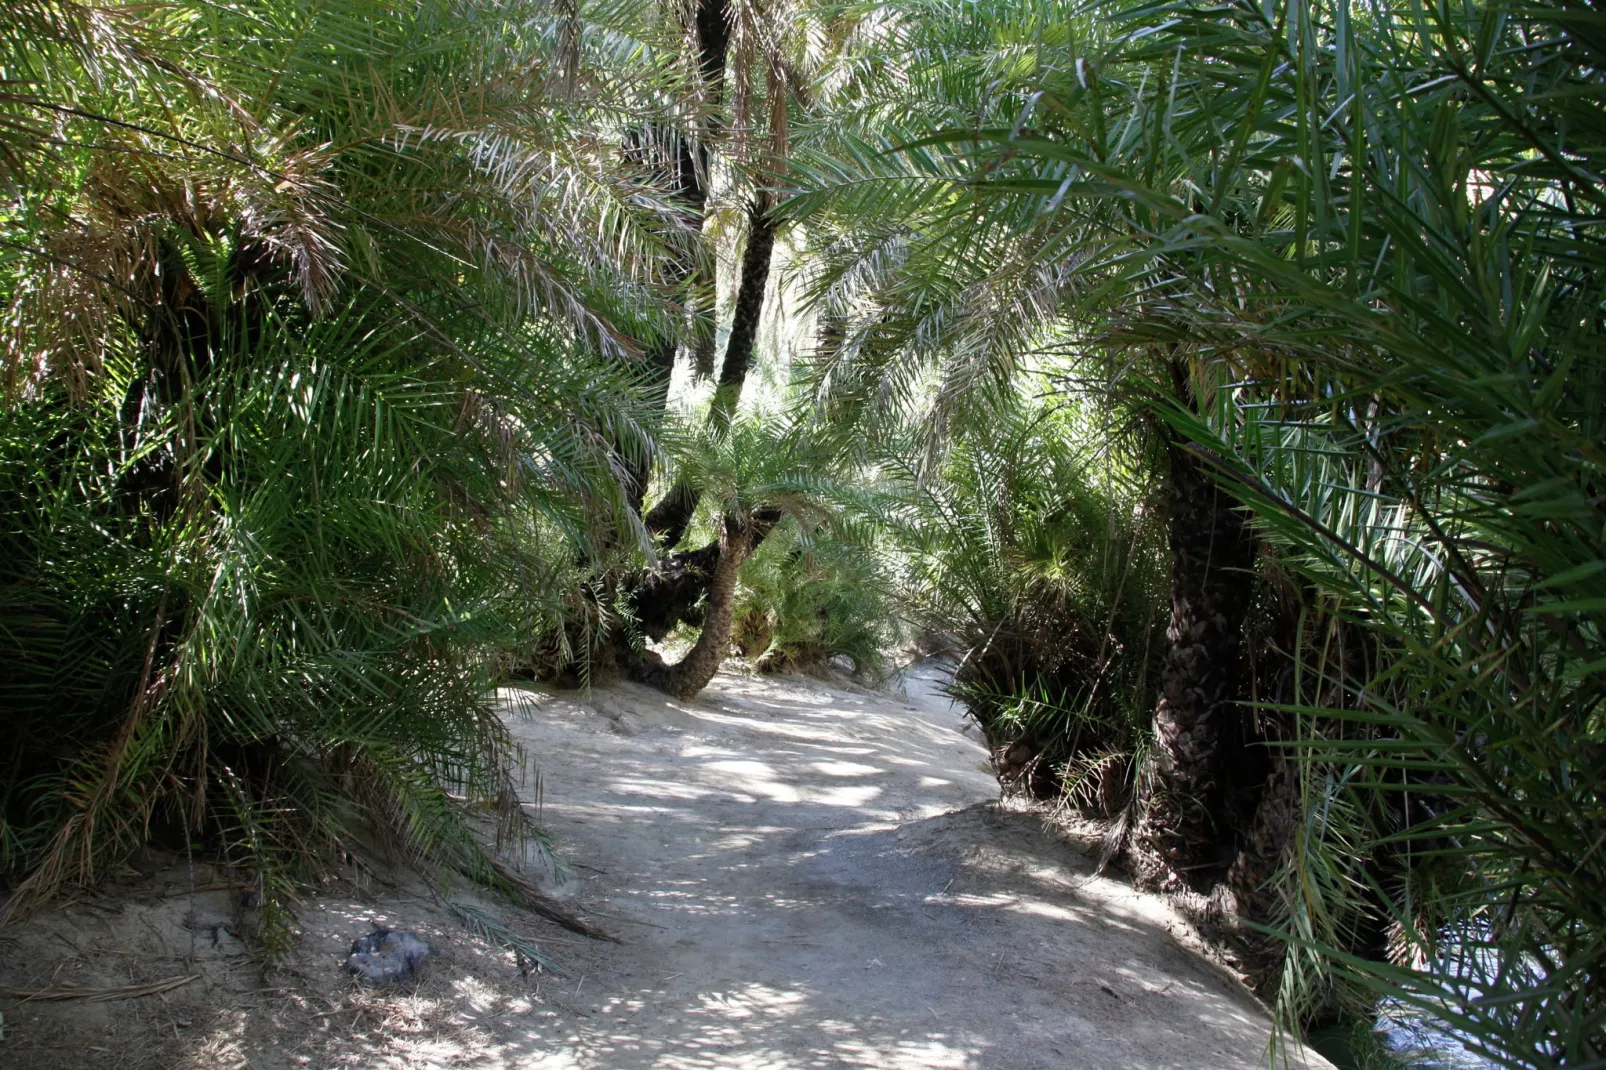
column 1370, row 239
column 1359, row 1046
column 1033, row 552
column 762, row 463
column 807, row 596
column 315, row 358
column 303, row 421
column 1413, row 346
column 494, row 932
column 813, row 588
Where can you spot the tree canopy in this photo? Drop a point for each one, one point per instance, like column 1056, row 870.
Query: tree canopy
column 1220, row 385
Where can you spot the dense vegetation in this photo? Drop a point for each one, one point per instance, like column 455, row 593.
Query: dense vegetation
column 1221, row 385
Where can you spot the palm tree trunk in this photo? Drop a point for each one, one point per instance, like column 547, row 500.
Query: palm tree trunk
column 1202, row 732
column 692, row 673
column 684, row 160
column 668, row 519
column 696, row 587
column 749, row 310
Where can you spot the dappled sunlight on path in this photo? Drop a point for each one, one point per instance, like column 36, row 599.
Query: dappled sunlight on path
column 807, row 876
column 802, row 877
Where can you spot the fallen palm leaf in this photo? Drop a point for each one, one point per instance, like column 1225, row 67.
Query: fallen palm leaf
column 541, row 903
column 98, row 995
column 490, row 929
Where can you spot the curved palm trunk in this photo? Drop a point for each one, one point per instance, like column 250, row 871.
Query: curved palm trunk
column 664, row 598
column 691, row 674
column 674, row 593
column 1202, row 760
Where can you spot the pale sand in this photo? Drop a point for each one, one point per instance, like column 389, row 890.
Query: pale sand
column 803, row 875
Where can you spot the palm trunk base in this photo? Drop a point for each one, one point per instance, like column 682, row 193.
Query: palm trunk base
column 693, row 587
column 1203, row 758
column 687, row 677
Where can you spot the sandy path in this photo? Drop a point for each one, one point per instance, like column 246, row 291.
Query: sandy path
column 802, row 876
column 811, row 879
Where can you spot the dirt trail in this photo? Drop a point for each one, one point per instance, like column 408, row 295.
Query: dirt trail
column 802, row 876
column 819, row 882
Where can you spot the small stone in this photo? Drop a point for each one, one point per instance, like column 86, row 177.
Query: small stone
column 386, row 956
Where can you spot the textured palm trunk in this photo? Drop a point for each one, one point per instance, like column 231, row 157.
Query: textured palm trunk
column 692, row 673
column 749, row 311
column 1261, row 853
column 683, row 162
column 1201, row 762
column 668, row 519
column 1340, row 651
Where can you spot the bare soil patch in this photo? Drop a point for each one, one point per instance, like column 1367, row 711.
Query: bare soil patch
column 801, row 874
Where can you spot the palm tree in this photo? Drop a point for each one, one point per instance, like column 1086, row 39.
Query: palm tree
column 1036, row 552
column 752, row 475
column 1323, row 218
column 336, row 367
column 757, row 50
column 302, row 350
column 946, row 254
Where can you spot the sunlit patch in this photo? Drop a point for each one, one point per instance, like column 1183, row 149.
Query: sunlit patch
column 762, row 780
column 752, row 778
column 1048, row 910
column 845, row 796
column 752, row 1001
column 702, row 750
column 660, row 789
column 997, row 899
column 222, row 1044
column 860, row 751
column 845, row 769
column 556, row 1060
column 737, row 841
column 934, row 1053
column 475, row 993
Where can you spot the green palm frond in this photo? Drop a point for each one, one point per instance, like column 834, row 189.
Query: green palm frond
column 319, row 369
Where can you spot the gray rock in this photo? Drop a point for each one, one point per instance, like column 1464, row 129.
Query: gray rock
column 386, row 956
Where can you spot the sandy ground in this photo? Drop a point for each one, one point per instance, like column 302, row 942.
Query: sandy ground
column 801, row 876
